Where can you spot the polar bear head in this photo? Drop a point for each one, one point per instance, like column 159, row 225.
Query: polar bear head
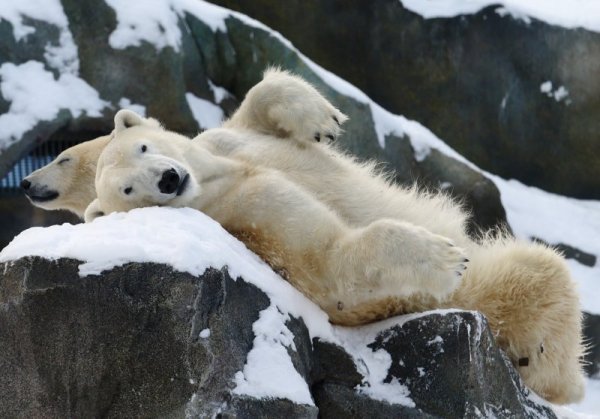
column 68, row 181
column 143, row 165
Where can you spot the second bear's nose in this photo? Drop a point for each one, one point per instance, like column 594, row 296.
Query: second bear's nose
column 25, row 184
column 169, row 181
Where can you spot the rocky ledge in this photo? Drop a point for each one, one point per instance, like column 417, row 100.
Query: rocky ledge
column 144, row 340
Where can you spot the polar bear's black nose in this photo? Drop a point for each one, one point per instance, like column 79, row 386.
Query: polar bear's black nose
column 25, row 184
column 169, row 181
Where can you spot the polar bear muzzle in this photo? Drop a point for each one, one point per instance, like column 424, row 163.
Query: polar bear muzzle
column 171, row 182
column 37, row 193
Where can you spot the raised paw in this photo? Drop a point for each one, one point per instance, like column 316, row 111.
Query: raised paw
column 328, row 127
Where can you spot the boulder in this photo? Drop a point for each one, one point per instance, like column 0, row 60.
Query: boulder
column 143, row 340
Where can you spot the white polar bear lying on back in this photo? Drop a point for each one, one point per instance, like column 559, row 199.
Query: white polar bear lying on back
column 362, row 249
column 524, row 290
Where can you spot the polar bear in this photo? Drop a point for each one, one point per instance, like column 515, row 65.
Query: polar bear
column 524, row 290
column 326, row 259
column 384, row 238
column 66, row 182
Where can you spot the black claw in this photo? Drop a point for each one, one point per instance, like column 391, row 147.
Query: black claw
column 331, row 137
column 318, row 137
column 336, row 121
column 458, row 273
column 465, row 260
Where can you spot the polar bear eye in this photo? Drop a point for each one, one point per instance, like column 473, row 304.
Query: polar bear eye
column 128, row 190
column 64, row 160
column 144, row 148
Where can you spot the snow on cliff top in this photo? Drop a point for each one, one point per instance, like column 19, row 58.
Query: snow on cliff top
column 566, row 13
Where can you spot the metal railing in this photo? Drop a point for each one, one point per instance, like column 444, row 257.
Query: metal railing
column 37, row 158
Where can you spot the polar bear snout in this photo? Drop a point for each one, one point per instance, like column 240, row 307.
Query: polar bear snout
column 37, row 193
column 169, row 181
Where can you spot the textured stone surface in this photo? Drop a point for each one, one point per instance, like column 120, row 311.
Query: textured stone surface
column 127, row 343
column 455, row 350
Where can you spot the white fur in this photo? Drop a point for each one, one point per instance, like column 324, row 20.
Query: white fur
column 360, row 246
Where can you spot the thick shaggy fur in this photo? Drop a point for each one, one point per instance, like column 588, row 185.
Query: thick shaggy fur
column 402, row 249
column 525, row 290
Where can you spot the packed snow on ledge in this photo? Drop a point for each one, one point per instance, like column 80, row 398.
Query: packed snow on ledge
column 189, row 241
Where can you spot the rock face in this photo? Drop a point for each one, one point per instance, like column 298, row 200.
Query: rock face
column 233, row 59
column 474, row 80
column 128, row 343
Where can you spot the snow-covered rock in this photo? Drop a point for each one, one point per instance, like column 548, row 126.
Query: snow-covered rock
column 161, row 312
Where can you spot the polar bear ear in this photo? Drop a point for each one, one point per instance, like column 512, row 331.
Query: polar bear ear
column 126, row 119
column 93, row 211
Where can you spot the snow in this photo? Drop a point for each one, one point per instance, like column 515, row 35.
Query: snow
column 591, row 404
column 559, row 94
column 262, row 376
column 204, row 334
column 36, row 95
column 157, row 21
column 50, row 11
column 63, row 56
column 206, row 113
column 219, row 93
column 566, row 13
column 151, row 21
column 126, row 103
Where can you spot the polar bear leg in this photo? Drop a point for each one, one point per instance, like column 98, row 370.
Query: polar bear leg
column 285, row 106
column 532, row 306
column 392, row 259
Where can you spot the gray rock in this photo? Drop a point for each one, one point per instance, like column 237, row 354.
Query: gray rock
column 456, row 350
column 474, row 80
column 570, row 252
column 127, row 343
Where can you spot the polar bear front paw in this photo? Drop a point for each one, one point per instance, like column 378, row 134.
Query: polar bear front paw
column 329, row 127
column 447, row 265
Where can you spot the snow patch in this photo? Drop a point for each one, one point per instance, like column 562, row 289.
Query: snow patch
column 269, row 371
column 559, row 94
column 152, row 21
column 126, row 103
column 157, row 21
column 204, row 334
column 36, row 96
column 566, row 13
column 206, row 113
column 49, row 11
column 219, row 93
column 63, row 56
